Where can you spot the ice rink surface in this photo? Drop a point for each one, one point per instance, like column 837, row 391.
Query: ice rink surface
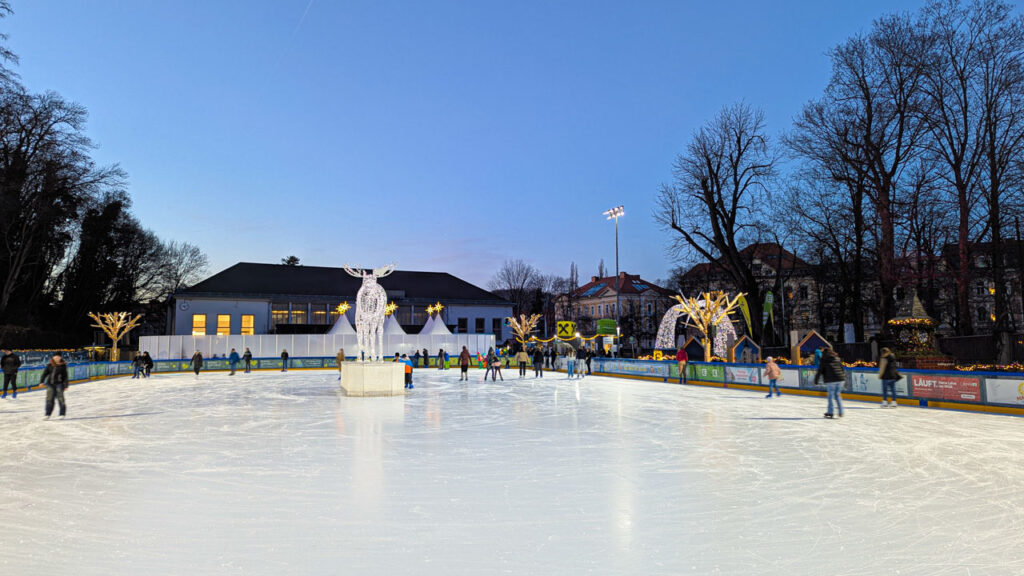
column 274, row 473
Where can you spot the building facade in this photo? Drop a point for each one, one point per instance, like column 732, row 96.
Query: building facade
column 643, row 305
column 249, row 299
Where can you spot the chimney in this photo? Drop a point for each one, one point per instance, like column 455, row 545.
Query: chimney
column 623, row 275
column 594, row 278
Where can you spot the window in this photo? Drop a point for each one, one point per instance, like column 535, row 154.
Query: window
column 982, row 314
column 463, row 326
column 223, row 324
column 479, row 326
column 298, row 314
column 248, row 324
column 496, row 326
column 199, row 324
column 279, row 313
column 650, row 309
column 802, row 292
column 318, row 313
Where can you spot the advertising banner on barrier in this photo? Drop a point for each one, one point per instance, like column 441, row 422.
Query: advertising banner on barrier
column 707, row 372
column 1004, row 391
column 942, row 387
column 742, row 375
column 169, row 366
column 790, row 378
column 659, row 369
column 306, row 363
column 868, row 382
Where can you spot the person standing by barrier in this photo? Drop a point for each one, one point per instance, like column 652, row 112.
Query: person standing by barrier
column 426, row 358
column 284, row 360
column 772, row 373
column 196, row 362
column 522, row 359
column 888, row 374
column 570, row 362
column 464, row 364
column 55, row 376
column 681, row 359
column 538, row 362
column 447, row 361
column 247, row 359
column 416, row 359
column 408, row 371
column 831, row 372
column 10, row 362
column 147, row 364
column 589, row 356
column 440, row 359
column 233, row 360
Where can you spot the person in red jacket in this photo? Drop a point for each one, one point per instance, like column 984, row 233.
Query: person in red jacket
column 681, row 359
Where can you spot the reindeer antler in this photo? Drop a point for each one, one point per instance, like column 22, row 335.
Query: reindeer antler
column 384, row 270
column 351, row 272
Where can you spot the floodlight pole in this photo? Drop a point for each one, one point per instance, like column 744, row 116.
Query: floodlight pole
column 614, row 214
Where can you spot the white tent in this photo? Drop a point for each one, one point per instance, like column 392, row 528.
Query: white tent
column 391, row 326
column 428, row 325
column 438, row 328
column 342, row 326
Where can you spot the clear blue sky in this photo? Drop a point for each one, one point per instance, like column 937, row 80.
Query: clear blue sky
column 441, row 135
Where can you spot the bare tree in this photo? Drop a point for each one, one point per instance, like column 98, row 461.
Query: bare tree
column 719, row 181
column 183, row 265
column 6, row 55
column 602, row 271
column 516, row 280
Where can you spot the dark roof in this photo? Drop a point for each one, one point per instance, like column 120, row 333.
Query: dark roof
column 247, row 279
column 768, row 253
column 631, row 284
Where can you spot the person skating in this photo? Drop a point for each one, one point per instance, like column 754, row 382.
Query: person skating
column 408, row 370
column 587, row 358
column 464, row 364
column 136, row 366
column 497, row 368
column 681, row 359
column 341, row 359
column 522, row 358
column 570, row 362
column 233, row 360
column 247, row 359
column 416, row 359
column 147, row 364
column 772, row 373
column 888, row 374
column 538, row 362
column 447, row 361
column 581, row 363
column 196, row 362
column 55, row 376
column 10, row 362
column 552, row 355
column 426, row 358
column 284, row 360
column 488, row 365
column 830, row 370
column 440, row 359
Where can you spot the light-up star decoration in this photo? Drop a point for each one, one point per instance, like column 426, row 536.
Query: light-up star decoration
column 438, row 307
column 343, row 307
column 390, row 309
column 430, row 310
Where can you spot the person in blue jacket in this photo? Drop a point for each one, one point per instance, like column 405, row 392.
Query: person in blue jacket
column 233, row 360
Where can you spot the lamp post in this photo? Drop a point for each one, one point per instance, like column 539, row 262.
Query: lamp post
column 615, row 214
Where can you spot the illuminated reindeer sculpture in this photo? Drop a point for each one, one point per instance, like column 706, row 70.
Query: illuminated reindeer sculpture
column 371, row 301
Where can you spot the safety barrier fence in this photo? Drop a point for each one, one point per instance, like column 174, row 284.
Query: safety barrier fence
column 1001, row 392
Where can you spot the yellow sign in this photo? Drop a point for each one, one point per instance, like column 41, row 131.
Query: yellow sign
column 566, row 329
column 658, row 355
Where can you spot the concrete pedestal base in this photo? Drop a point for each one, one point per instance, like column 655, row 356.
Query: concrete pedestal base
column 373, row 378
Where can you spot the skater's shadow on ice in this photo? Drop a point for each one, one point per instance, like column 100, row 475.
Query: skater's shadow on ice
column 781, row 418
column 113, row 416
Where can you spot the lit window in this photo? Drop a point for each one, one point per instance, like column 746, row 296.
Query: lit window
column 199, row 324
column 248, row 324
column 279, row 313
column 223, row 324
column 298, row 314
column 318, row 313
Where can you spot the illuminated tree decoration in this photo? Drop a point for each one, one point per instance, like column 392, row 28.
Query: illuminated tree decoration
column 115, row 325
column 706, row 312
column 390, row 309
column 524, row 326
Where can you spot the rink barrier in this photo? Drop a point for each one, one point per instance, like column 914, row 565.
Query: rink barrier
column 992, row 392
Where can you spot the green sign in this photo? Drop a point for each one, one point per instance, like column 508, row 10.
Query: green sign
column 606, row 326
column 707, row 372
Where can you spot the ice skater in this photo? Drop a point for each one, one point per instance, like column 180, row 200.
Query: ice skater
column 588, row 356
column 440, row 359
column 681, row 359
column 447, row 361
column 408, row 371
column 772, row 373
column 233, row 360
column 341, row 359
column 284, row 360
column 570, row 362
column 538, row 362
column 196, row 363
column 888, row 374
column 136, row 366
column 247, row 358
column 10, row 362
column 522, row 359
column 55, row 376
column 464, row 364
column 830, row 370
column 147, row 364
